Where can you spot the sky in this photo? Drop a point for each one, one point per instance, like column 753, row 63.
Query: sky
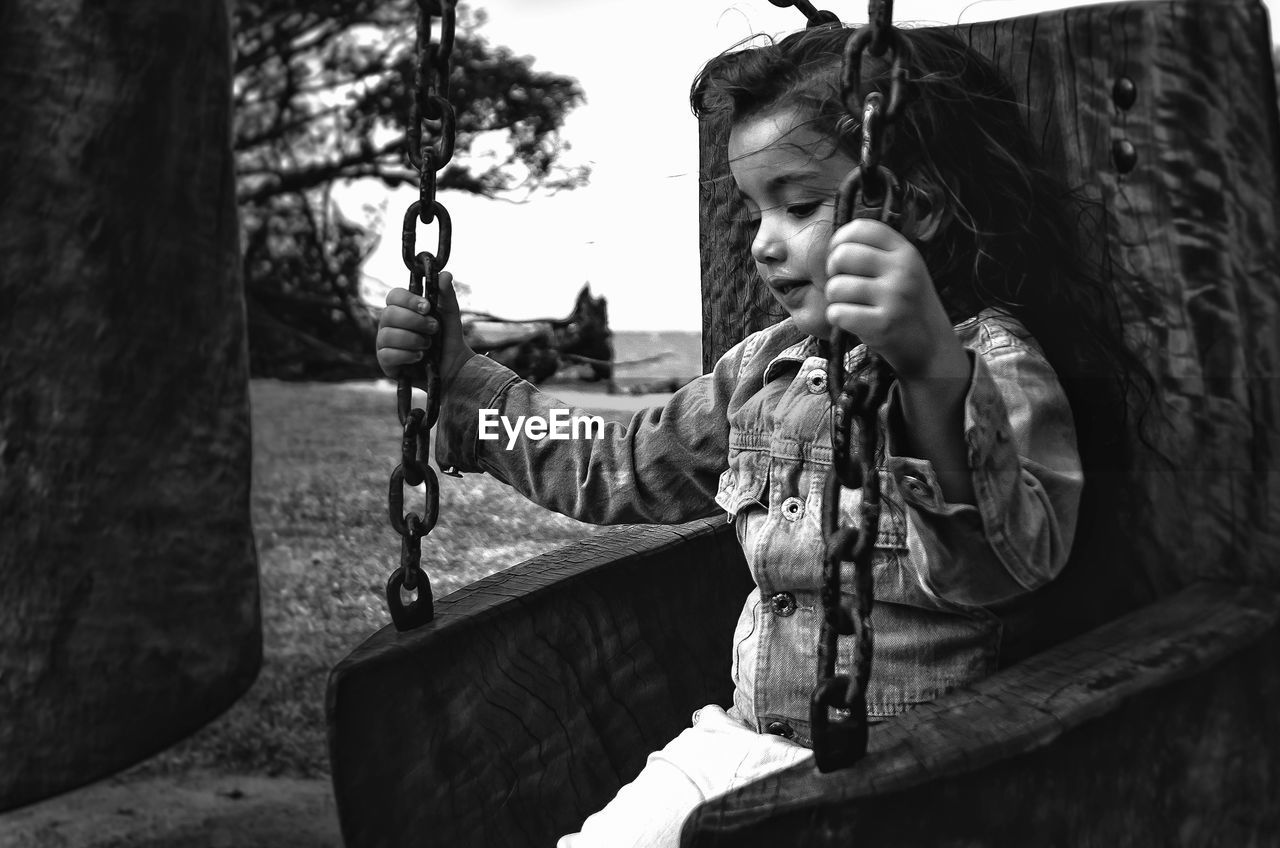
column 633, row 231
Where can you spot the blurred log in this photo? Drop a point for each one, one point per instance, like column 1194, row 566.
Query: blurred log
column 536, row 349
column 127, row 568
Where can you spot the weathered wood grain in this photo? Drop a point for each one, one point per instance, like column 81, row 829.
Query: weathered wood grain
column 536, row 692
column 128, row 580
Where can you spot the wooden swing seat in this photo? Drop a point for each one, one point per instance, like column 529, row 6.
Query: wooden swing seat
column 538, row 691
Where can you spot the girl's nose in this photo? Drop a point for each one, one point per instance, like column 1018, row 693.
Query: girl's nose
column 768, row 247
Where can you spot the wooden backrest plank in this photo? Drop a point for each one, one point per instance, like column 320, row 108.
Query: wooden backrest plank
column 1191, row 232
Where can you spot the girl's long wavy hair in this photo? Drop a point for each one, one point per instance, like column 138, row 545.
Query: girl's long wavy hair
column 1009, row 236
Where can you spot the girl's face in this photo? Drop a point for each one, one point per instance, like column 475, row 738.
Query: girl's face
column 788, row 174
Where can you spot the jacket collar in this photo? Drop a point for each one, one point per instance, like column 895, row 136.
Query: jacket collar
column 805, row 348
column 799, row 348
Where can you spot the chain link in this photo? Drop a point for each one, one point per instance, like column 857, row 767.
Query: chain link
column 838, row 708
column 880, row 20
column 813, row 15
column 429, row 145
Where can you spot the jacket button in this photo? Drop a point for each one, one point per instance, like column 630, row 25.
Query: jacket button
column 783, row 603
column 816, row 382
column 780, row 728
column 792, row 509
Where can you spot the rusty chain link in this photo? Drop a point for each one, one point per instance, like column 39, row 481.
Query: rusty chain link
column 838, row 708
column 428, row 151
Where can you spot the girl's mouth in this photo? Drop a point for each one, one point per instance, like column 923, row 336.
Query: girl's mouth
column 789, row 292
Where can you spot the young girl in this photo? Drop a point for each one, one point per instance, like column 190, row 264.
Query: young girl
column 1008, row 363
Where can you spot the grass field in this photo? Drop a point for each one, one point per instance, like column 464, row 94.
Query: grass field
column 322, row 457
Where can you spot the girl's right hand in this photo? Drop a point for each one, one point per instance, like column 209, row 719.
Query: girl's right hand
column 405, row 331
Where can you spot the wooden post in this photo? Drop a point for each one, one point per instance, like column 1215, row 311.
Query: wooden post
column 128, row 578
column 734, row 302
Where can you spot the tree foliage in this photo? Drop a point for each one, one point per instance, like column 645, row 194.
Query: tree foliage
column 321, row 97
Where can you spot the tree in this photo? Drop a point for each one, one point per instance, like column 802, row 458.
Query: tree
column 320, row 97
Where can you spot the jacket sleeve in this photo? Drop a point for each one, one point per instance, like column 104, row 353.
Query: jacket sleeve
column 661, row 467
column 1027, row 479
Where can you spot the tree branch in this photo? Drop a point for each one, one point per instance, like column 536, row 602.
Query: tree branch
column 312, row 176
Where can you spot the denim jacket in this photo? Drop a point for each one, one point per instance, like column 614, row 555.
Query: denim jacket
column 752, row 439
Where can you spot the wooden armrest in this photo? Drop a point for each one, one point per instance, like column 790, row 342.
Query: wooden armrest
column 1141, row 732
column 536, row 692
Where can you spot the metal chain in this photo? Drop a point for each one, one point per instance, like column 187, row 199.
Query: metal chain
column 429, row 141
column 814, row 16
column 838, row 709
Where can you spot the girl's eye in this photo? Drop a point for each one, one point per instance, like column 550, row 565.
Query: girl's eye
column 803, row 210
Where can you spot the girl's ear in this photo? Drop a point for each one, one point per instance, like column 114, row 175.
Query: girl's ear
column 925, row 211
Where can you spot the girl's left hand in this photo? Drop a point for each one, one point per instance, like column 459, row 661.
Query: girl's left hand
column 880, row 290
